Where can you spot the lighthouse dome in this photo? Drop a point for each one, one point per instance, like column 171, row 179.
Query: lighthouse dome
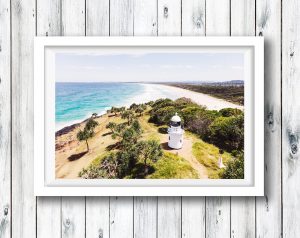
column 176, row 118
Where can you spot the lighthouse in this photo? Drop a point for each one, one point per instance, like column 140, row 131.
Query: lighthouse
column 175, row 133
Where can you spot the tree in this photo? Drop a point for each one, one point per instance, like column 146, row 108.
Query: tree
column 111, row 126
column 118, row 130
column 128, row 115
column 149, row 150
column 140, row 109
column 88, row 132
column 94, row 115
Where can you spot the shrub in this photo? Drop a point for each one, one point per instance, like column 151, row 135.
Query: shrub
column 228, row 132
column 234, row 168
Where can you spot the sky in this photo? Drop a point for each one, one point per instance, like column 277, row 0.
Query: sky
column 149, row 67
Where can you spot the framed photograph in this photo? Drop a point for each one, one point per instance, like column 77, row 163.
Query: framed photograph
column 149, row 116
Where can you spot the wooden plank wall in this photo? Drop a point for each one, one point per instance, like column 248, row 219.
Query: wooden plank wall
column 274, row 215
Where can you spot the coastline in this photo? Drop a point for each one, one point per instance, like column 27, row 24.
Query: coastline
column 154, row 92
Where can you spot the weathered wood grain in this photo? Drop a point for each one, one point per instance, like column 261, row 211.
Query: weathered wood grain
column 73, row 209
column 97, row 217
column 290, row 118
column 121, row 17
column 169, row 17
column 242, row 208
column 73, row 17
column 217, row 217
column 97, row 18
column 48, row 222
column 242, row 18
column 217, row 208
column 48, row 23
column 169, row 217
column 193, row 17
column 72, row 217
column 121, row 217
column 217, row 18
column 48, row 20
column 5, row 120
column 145, row 217
column 268, row 208
column 145, row 17
column 23, row 201
column 193, row 217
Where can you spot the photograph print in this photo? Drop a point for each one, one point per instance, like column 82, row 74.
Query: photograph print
column 153, row 113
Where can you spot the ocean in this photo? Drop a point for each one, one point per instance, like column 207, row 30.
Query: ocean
column 74, row 102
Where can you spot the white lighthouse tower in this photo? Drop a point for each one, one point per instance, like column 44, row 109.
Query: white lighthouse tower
column 175, row 133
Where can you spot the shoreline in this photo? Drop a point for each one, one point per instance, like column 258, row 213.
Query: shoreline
column 212, row 103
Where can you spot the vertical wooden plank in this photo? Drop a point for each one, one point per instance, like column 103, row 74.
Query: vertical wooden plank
column 48, row 20
column 5, row 120
column 218, row 208
column 48, row 217
column 97, row 18
column 48, row 208
column 145, row 217
column 242, row 18
column 193, row 17
column 73, row 209
column 193, row 208
column 169, row 17
column 73, row 217
column 73, row 17
column 193, row 217
column 169, row 208
column 169, row 217
column 268, row 208
column 145, row 208
column 242, row 208
column 218, row 17
column 23, row 200
column 121, row 208
column 290, row 117
column 217, row 217
column 121, row 217
column 145, row 17
column 121, row 17
column 97, row 217
column 97, row 208
column 242, row 217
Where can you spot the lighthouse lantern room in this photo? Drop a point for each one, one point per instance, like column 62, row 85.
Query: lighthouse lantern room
column 175, row 132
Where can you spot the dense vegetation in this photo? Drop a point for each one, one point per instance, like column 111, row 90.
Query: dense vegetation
column 224, row 128
column 231, row 93
column 135, row 157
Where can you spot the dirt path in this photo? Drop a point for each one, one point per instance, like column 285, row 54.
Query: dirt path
column 186, row 153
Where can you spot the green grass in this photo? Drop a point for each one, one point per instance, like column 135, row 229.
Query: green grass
column 208, row 155
column 171, row 166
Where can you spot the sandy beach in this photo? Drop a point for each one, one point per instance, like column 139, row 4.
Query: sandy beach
column 210, row 102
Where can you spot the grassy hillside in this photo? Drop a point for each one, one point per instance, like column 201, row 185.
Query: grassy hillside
column 134, row 145
column 208, row 155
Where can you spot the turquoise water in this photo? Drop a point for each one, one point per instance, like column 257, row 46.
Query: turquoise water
column 75, row 102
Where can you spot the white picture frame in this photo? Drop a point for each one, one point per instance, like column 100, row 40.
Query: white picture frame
column 45, row 183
